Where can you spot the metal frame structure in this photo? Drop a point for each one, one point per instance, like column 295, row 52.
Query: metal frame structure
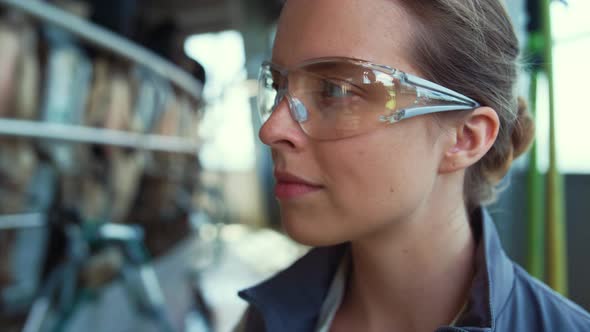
column 119, row 46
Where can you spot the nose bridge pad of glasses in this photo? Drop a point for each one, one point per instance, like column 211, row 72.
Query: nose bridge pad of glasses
column 298, row 110
column 296, row 107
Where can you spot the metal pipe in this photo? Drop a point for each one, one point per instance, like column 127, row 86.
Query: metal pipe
column 81, row 134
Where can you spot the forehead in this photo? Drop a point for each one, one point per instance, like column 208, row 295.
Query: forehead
column 379, row 31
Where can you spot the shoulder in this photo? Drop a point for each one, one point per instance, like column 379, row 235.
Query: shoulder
column 533, row 306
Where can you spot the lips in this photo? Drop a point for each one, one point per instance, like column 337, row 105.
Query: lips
column 291, row 186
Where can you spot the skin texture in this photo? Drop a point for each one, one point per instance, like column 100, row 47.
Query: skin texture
column 396, row 193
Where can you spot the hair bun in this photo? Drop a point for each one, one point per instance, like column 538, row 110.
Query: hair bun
column 523, row 132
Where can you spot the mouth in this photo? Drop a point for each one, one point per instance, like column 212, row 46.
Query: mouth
column 290, row 186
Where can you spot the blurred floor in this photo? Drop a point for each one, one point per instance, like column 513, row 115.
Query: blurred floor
column 244, row 261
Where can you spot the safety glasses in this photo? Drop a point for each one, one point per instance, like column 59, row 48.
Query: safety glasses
column 338, row 97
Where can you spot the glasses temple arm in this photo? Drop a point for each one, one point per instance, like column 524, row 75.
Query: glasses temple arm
column 436, row 88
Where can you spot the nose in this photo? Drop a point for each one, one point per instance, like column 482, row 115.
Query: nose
column 281, row 131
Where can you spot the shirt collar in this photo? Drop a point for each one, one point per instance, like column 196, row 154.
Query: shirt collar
column 291, row 300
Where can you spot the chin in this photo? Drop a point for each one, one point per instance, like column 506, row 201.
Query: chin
column 311, row 232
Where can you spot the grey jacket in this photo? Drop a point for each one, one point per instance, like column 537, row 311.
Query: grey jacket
column 503, row 296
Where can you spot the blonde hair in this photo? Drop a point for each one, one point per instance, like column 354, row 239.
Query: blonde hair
column 470, row 46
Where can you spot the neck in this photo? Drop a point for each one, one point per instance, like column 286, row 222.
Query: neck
column 414, row 276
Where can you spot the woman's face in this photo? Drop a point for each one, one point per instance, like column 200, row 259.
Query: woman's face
column 361, row 184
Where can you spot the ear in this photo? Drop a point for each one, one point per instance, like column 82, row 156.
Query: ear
column 472, row 137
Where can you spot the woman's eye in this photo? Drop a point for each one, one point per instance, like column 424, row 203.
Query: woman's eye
column 331, row 97
column 336, row 96
column 331, row 90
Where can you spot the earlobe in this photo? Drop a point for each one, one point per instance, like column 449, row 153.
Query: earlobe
column 473, row 137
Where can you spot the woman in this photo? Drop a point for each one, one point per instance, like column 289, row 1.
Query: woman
column 386, row 172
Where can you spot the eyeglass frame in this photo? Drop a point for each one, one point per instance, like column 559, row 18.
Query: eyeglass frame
column 424, row 89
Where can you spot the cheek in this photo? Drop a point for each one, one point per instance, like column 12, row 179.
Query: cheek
column 378, row 183
column 371, row 181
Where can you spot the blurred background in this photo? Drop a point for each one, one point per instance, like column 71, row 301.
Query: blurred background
column 135, row 195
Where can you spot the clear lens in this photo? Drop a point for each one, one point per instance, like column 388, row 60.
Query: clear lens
column 341, row 99
column 335, row 97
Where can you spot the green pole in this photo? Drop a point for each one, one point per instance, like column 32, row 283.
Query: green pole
column 556, row 233
column 536, row 224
